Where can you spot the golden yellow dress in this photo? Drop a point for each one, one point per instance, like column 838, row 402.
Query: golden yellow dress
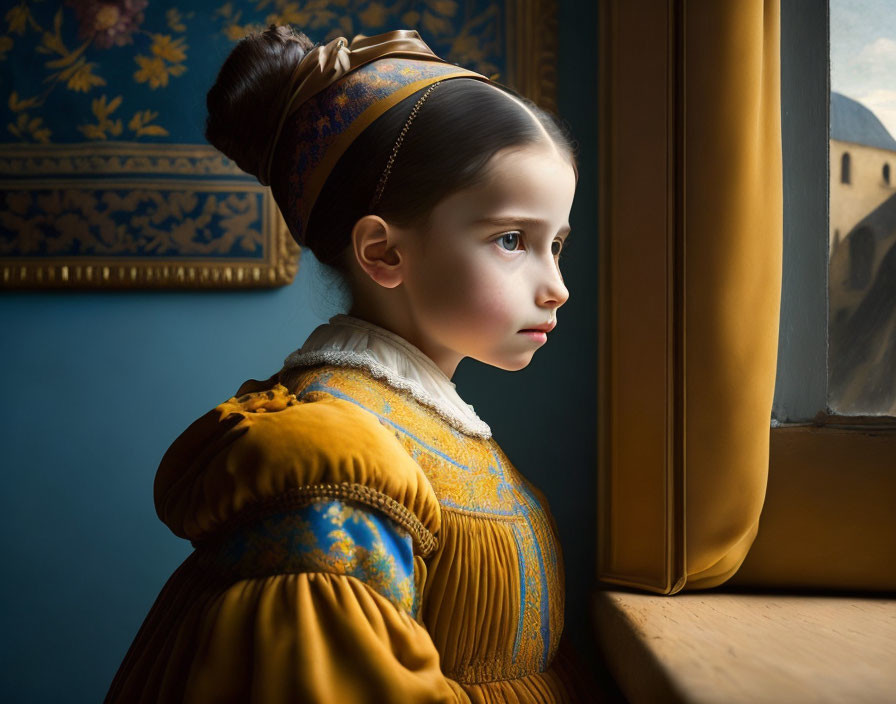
column 359, row 537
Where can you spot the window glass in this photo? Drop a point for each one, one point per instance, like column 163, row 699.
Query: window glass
column 862, row 228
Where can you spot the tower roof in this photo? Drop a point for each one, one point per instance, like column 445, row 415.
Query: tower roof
column 853, row 122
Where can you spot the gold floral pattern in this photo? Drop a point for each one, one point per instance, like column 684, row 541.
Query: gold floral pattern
column 330, row 536
column 100, row 74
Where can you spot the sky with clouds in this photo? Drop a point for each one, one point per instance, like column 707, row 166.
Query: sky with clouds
column 863, row 55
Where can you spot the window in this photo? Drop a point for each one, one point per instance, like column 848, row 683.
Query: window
column 861, row 279
column 660, row 490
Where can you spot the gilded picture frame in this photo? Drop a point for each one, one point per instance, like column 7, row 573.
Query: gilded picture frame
column 106, row 186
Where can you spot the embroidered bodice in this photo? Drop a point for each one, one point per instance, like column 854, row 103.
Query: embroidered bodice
column 360, row 536
column 479, row 490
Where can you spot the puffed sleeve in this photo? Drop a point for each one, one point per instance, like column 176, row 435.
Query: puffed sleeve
column 311, row 524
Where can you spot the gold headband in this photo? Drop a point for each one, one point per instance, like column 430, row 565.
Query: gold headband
column 326, row 64
column 335, row 93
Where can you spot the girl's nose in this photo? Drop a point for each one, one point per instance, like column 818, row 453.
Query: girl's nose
column 553, row 292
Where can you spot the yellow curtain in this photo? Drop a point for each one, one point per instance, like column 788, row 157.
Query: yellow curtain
column 733, row 241
column 691, row 240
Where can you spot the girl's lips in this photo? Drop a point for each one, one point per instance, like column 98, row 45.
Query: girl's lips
column 547, row 327
column 537, row 335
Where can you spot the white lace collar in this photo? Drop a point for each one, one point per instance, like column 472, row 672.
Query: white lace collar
column 349, row 341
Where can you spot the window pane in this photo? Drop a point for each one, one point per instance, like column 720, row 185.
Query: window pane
column 862, row 265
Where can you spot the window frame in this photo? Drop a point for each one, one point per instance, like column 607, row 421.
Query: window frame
column 641, row 451
column 831, row 487
column 801, row 384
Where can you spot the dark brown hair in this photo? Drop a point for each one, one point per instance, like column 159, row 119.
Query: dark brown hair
column 461, row 125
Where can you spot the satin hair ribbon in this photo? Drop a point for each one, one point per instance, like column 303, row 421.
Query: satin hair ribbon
column 326, row 64
column 336, row 92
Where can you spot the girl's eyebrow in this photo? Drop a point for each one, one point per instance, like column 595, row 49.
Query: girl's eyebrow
column 517, row 220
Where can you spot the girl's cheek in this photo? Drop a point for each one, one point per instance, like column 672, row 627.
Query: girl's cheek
column 468, row 287
column 490, row 301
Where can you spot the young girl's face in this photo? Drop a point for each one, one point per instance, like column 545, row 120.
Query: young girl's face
column 487, row 268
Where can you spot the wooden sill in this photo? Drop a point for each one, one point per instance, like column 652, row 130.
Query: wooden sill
column 737, row 646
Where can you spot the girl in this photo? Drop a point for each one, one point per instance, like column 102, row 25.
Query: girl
column 359, row 535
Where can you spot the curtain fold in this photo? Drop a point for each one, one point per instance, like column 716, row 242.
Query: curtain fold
column 733, row 260
column 691, row 203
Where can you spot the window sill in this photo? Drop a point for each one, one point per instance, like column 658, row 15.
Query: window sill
column 719, row 646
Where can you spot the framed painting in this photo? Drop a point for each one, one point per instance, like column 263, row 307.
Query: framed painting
column 105, row 175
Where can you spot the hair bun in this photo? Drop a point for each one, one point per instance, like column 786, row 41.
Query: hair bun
column 248, row 95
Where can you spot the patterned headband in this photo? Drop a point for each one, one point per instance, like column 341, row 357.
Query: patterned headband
column 336, row 91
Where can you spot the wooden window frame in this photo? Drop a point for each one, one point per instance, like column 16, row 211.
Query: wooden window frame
column 818, row 512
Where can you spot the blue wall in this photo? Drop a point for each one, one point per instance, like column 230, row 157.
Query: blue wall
column 98, row 385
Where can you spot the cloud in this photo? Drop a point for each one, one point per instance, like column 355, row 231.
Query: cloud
column 879, row 57
column 865, row 73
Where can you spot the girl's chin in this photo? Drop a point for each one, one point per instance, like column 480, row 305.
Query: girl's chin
column 515, row 364
column 509, row 361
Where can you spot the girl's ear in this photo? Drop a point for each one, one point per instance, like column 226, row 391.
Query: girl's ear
column 374, row 244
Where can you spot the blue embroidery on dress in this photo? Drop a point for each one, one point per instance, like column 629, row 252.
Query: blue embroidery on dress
column 321, row 386
column 523, row 586
column 544, row 607
column 533, row 576
column 328, row 536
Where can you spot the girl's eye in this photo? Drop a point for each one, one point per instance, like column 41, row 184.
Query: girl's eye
column 556, row 247
column 513, row 238
column 562, row 249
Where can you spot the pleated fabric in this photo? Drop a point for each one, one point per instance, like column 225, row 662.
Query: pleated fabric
column 488, row 567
